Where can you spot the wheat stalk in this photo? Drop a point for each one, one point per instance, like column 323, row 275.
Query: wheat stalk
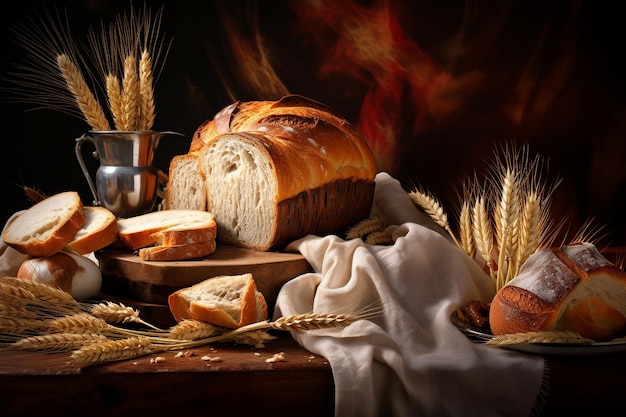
column 481, row 231
column 130, row 95
column 87, row 103
column 57, row 342
column 365, row 227
column 193, row 330
column 466, row 230
column 146, row 94
column 538, row 337
column 117, row 313
column 114, row 96
column 433, row 208
column 113, row 350
column 20, row 326
column 76, row 323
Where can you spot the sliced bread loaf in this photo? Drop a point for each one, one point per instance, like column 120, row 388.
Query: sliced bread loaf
column 100, row 230
column 178, row 252
column 188, row 192
column 46, row 227
column 228, row 300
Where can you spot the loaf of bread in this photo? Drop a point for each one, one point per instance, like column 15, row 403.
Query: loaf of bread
column 572, row 288
column 98, row 231
column 275, row 171
column 228, row 300
column 46, row 227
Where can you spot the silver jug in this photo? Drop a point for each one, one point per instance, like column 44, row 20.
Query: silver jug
column 126, row 181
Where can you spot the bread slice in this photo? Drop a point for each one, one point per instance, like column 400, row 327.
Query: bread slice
column 140, row 231
column 185, row 235
column 46, row 227
column 573, row 288
column 188, row 191
column 100, row 230
column 227, row 300
column 177, row 252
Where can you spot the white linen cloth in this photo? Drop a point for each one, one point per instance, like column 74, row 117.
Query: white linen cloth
column 411, row 360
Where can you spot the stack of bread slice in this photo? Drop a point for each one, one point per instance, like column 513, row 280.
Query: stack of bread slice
column 169, row 235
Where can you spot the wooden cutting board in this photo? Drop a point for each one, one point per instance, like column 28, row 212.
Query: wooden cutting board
column 125, row 275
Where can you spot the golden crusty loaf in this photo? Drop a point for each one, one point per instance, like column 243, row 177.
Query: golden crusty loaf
column 228, row 300
column 572, row 288
column 46, row 227
column 275, row 171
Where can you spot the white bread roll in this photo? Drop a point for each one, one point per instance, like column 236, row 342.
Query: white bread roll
column 573, row 288
column 46, row 227
column 143, row 230
column 229, row 300
column 100, row 230
column 70, row 272
column 275, row 171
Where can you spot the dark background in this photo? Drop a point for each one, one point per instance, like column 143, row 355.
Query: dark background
column 546, row 74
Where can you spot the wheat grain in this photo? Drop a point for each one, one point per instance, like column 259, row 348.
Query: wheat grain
column 529, row 231
column 86, row 101
column 538, row 337
column 146, row 94
column 113, row 350
column 57, row 342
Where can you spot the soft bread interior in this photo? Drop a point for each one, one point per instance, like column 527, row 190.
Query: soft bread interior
column 188, row 192
column 241, row 191
column 596, row 307
column 223, row 293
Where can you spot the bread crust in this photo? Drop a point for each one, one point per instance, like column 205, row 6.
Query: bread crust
column 178, row 252
column 22, row 234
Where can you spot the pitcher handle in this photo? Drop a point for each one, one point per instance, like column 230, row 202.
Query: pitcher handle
column 79, row 144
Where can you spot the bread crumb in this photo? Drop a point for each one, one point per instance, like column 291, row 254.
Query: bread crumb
column 211, row 358
column 278, row 357
column 257, row 354
column 158, row 359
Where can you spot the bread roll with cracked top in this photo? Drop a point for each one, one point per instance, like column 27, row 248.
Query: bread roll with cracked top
column 573, row 288
column 275, row 171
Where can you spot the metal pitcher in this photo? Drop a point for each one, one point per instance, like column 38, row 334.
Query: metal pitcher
column 126, row 181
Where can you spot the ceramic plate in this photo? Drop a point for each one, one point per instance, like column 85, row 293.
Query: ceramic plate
column 480, row 336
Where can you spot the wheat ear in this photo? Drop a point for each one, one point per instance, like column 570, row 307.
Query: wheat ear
column 538, row 337
column 466, row 231
column 117, row 313
column 114, row 95
column 481, row 228
column 57, row 342
column 86, row 101
column 146, row 93
column 435, row 211
column 113, row 350
column 130, row 93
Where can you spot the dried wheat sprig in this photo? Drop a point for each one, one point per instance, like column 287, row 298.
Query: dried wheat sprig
column 256, row 338
column 113, row 350
column 194, row 330
column 57, row 342
column 117, row 313
column 466, row 231
column 21, row 326
column 433, row 208
column 114, row 96
column 76, row 323
column 40, row 291
column 384, row 237
column 507, row 224
column 538, row 337
column 365, row 227
column 146, row 94
column 483, row 235
column 86, row 101
column 33, row 195
column 130, row 95
column 530, row 231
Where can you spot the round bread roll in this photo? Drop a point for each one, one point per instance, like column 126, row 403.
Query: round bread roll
column 70, row 272
column 573, row 288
